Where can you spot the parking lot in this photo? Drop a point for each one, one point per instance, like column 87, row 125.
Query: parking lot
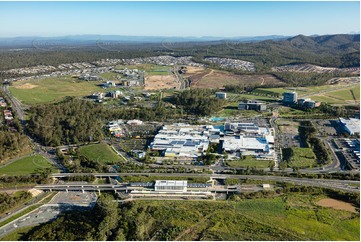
column 289, row 133
column 74, row 199
column 348, row 151
column 326, row 127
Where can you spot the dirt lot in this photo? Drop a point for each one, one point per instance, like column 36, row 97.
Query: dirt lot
column 191, row 70
column 217, row 79
column 157, row 82
column 336, row 204
column 289, row 127
column 26, row 86
column 313, row 68
column 343, row 80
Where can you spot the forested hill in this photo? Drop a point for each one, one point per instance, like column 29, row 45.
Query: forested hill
column 342, row 42
column 339, row 50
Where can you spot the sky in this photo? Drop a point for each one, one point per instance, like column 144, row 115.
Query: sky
column 221, row 19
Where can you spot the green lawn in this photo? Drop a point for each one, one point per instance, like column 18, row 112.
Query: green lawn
column 299, row 157
column 267, row 219
column 109, row 75
column 289, row 217
column 26, row 166
column 346, row 93
column 150, row 69
column 48, row 90
column 336, row 97
column 249, row 161
column 281, row 90
column 239, row 97
column 325, row 99
column 303, row 218
column 100, row 152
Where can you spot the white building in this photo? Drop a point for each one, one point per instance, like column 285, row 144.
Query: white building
column 221, row 95
column 249, row 139
column 183, row 140
column 170, row 186
column 135, row 122
column 351, row 126
column 245, row 144
column 290, row 97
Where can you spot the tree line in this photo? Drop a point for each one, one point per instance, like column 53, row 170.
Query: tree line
column 198, row 102
column 12, row 144
column 9, row 201
column 308, row 137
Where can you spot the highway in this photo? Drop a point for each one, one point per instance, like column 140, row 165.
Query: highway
column 345, row 185
column 60, row 203
column 19, row 108
column 15, row 104
column 111, row 187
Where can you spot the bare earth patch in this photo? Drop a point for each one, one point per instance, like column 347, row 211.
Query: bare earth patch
column 336, row 204
column 193, row 70
column 218, row 79
column 289, row 127
column 26, row 86
column 157, row 82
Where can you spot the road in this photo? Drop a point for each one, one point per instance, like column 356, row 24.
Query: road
column 179, row 78
column 60, row 203
column 38, row 148
column 345, row 185
column 15, row 104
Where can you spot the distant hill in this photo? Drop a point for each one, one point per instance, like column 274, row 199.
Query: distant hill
column 82, row 40
column 340, row 50
column 339, row 41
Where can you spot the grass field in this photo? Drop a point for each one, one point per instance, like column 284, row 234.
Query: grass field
column 249, row 161
column 346, row 94
column 290, row 217
column 109, row 75
column 299, row 90
column 149, row 69
column 100, row 152
column 325, row 99
column 48, row 90
column 26, row 166
column 304, row 218
column 300, row 157
column 239, row 97
column 218, row 79
column 342, row 96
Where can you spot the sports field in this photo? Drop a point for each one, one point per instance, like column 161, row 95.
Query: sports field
column 52, row 89
column 100, row 152
column 25, row 166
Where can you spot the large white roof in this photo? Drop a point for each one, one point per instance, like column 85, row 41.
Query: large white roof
column 170, row 183
column 233, row 143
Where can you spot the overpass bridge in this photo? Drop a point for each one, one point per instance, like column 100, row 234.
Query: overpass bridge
column 345, row 185
column 125, row 188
